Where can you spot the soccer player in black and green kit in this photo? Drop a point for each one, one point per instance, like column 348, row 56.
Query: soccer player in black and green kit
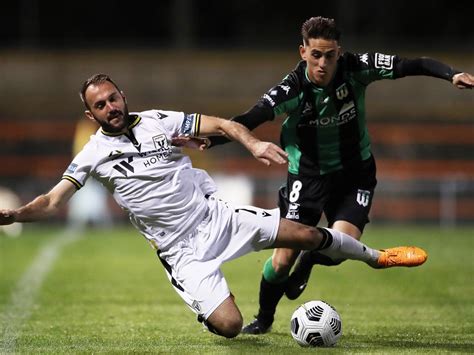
column 331, row 167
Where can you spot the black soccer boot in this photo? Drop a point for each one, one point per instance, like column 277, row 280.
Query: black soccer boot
column 298, row 279
column 257, row 327
column 269, row 296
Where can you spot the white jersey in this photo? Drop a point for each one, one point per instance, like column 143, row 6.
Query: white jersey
column 150, row 179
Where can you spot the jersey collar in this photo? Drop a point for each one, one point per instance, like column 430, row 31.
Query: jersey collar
column 134, row 119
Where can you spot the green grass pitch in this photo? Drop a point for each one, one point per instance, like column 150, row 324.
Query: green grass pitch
column 107, row 292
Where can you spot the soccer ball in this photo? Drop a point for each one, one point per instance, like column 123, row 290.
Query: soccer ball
column 316, row 323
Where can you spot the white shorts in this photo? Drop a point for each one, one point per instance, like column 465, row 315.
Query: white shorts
column 227, row 232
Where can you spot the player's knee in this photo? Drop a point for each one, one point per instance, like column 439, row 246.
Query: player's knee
column 231, row 327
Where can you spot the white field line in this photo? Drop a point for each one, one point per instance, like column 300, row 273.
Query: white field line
column 22, row 300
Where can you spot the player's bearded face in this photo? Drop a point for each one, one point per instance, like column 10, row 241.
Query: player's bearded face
column 117, row 120
column 108, row 107
column 321, row 56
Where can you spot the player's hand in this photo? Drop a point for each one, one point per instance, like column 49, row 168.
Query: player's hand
column 191, row 142
column 463, row 81
column 267, row 153
column 7, row 217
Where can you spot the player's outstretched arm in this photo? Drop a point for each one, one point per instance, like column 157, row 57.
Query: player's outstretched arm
column 42, row 206
column 432, row 67
column 463, row 80
column 264, row 152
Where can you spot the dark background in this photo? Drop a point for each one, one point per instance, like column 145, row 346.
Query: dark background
column 229, row 24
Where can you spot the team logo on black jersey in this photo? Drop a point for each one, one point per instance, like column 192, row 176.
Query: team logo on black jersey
column 342, row 92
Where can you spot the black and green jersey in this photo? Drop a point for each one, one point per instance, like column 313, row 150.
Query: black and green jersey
column 325, row 129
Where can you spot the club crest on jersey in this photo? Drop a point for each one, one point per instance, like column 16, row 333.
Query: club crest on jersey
column 307, row 109
column 363, row 197
column 383, row 61
column 163, row 149
column 342, row 92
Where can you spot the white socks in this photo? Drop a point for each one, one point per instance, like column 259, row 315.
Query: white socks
column 344, row 246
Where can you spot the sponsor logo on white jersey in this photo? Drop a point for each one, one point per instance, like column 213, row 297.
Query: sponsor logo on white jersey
column 363, row 197
column 383, row 61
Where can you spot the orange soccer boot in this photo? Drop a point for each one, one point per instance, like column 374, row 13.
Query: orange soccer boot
column 401, row 256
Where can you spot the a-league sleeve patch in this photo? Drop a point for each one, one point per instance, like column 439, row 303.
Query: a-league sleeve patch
column 71, row 168
column 191, row 125
column 384, row 61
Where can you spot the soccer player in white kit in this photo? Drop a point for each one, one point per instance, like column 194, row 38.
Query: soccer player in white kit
column 173, row 206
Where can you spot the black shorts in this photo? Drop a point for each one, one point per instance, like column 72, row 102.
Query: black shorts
column 343, row 195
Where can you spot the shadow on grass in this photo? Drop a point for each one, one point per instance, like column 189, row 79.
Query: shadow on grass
column 284, row 340
column 411, row 345
column 257, row 341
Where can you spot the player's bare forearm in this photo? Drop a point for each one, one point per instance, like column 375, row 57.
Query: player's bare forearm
column 42, row 206
column 36, row 209
column 265, row 152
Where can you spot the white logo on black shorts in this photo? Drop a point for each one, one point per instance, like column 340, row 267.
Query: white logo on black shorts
column 293, row 211
column 363, row 197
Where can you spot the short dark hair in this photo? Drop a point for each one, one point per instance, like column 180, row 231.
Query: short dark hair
column 320, row 27
column 94, row 80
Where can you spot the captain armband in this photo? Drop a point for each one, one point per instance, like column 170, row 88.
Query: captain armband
column 191, row 125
